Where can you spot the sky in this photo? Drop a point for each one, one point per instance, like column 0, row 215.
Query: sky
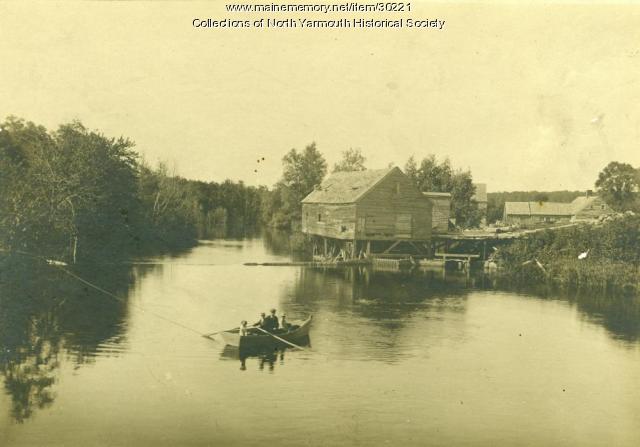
column 526, row 96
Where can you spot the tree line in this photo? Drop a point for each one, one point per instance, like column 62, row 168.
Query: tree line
column 73, row 193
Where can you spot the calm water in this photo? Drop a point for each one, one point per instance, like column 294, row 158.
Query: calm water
column 399, row 359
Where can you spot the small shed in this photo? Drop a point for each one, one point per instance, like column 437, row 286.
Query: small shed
column 371, row 205
column 441, row 211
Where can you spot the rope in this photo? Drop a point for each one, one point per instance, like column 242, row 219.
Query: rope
column 112, row 295
column 106, row 292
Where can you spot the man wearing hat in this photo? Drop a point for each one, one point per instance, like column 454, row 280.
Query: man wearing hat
column 271, row 322
column 262, row 322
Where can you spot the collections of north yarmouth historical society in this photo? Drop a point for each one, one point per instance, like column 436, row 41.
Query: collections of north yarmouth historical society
column 437, row 24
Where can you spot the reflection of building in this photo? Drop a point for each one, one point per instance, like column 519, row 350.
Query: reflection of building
column 582, row 208
column 355, row 211
column 480, row 197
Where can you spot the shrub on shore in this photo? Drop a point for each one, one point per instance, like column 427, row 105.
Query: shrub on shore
column 610, row 255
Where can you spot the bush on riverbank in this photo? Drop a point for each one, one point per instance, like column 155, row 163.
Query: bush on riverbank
column 76, row 195
column 612, row 260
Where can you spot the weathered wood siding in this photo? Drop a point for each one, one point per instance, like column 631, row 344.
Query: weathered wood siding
column 441, row 210
column 393, row 209
column 335, row 221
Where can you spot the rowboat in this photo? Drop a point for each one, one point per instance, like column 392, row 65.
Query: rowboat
column 297, row 334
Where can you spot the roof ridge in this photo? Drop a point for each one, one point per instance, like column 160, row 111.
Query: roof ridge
column 348, row 186
column 366, row 190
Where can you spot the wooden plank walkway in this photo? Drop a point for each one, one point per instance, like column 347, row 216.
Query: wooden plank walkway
column 488, row 236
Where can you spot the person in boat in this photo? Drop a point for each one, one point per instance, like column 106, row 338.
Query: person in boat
column 271, row 322
column 261, row 323
column 284, row 324
column 244, row 330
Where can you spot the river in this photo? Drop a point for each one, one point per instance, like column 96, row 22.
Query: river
column 409, row 359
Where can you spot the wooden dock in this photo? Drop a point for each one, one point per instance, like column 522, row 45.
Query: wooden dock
column 393, row 264
column 329, row 263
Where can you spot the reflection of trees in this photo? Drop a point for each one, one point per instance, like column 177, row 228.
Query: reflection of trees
column 42, row 312
column 283, row 243
column 369, row 310
column 276, row 242
column 400, row 292
column 89, row 318
column 29, row 358
column 618, row 314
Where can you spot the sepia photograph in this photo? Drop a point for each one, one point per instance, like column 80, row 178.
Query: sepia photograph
column 318, row 223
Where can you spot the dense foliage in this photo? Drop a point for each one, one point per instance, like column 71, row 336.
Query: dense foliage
column 302, row 171
column 75, row 193
column 609, row 252
column 435, row 176
column 619, row 184
column 352, row 160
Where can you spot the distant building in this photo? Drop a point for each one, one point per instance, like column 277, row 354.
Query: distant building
column 589, row 207
column 534, row 212
column 481, row 198
column 582, row 208
column 441, row 211
column 352, row 209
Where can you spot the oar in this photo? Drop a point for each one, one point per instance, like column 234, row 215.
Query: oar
column 214, row 333
column 281, row 339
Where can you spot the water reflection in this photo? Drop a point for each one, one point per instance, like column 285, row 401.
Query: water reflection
column 44, row 312
column 376, row 311
column 368, row 315
column 378, row 296
column 367, row 323
column 266, row 358
column 619, row 314
column 285, row 244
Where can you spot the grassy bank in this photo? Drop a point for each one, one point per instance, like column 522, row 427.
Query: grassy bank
column 610, row 252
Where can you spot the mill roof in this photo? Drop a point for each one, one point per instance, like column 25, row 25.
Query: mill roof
column 347, row 187
column 538, row 208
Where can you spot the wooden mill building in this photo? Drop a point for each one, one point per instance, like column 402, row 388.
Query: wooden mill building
column 367, row 212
